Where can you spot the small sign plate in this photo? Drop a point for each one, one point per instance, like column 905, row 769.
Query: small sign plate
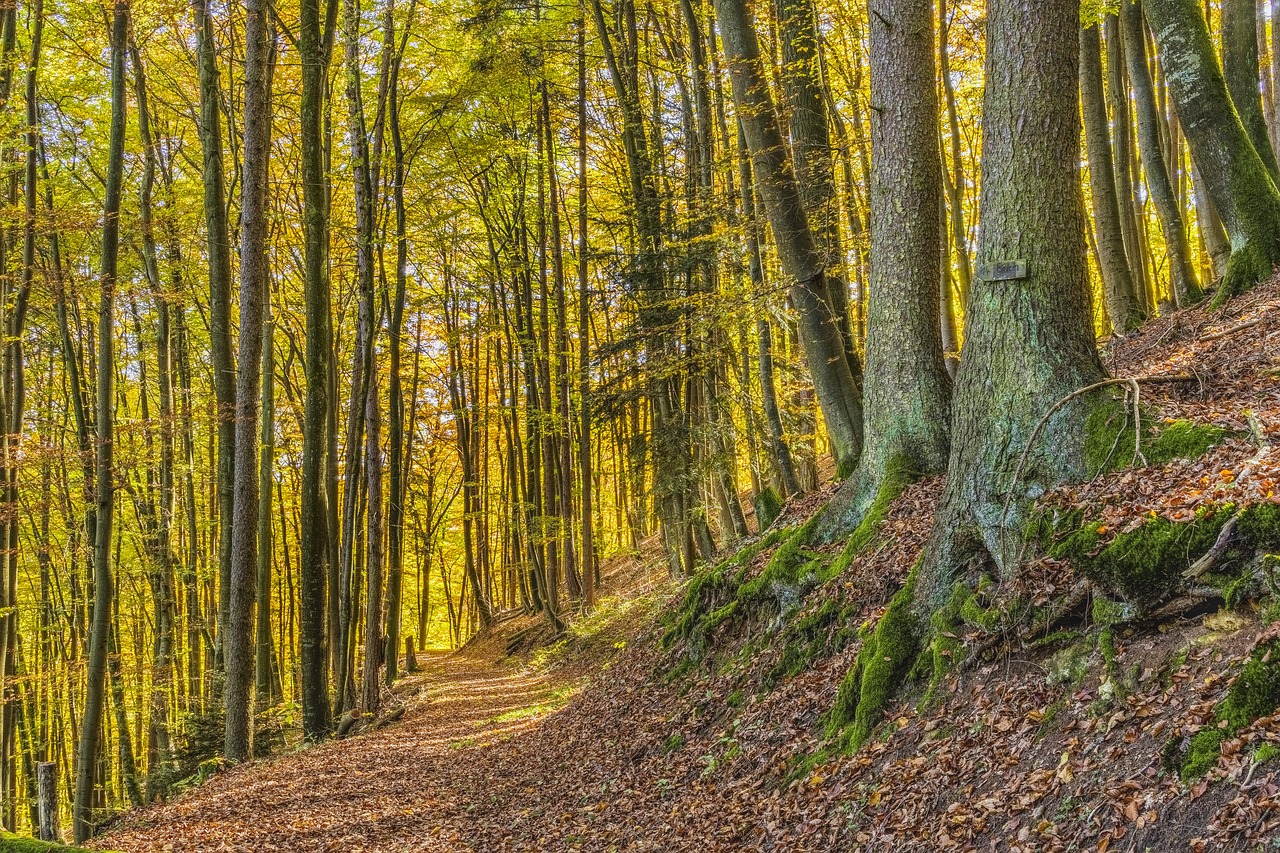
column 1003, row 271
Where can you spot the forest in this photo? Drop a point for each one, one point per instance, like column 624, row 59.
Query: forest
column 342, row 334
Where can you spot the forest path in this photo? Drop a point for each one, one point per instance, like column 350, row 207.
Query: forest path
column 415, row 785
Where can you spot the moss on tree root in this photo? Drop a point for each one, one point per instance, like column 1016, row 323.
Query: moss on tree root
column 1145, row 566
column 1110, row 445
column 725, row 594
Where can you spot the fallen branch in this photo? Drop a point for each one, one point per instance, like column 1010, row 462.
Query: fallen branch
column 1239, row 327
column 1201, row 566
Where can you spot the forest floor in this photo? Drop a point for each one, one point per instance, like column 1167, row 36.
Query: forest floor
column 616, row 738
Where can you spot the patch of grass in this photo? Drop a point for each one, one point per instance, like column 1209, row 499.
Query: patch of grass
column 554, row 702
column 10, row 843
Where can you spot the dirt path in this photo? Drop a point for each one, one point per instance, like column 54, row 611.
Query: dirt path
column 407, row 787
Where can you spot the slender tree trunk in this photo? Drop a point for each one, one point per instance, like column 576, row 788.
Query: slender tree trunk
column 238, row 644
column 1238, row 181
column 1124, row 309
column 1182, row 277
column 313, row 559
column 219, row 249
column 839, row 394
column 99, row 633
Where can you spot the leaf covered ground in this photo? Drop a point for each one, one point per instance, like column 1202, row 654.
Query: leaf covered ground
column 612, row 740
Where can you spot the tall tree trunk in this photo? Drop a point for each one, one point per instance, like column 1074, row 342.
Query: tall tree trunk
column 1236, row 177
column 811, row 150
column 585, row 466
column 99, row 633
column 219, row 249
column 238, row 644
column 1124, row 309
column 314, row 557
column 839, row 394
column 908, row 390
column 1123, row 155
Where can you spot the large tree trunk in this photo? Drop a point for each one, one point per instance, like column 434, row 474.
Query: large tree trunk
column 837, row 387
column 1002, row 394
column 1182, row 277
column 100, row 629
column 238, row 643
column 908, row 391
column 1238, row 181
column 1124, row 309
column 1031, row 214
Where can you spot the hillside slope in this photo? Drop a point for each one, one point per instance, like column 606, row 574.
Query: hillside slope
column 1068, row 712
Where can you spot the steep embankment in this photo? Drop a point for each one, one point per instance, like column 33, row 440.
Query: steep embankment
column 1102, row 699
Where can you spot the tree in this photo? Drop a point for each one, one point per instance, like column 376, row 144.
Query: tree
column 908, row 390
column 1240, row 69
column 1031, row 214
column 218, row 245
column 1182, row 279
column 315, row 532
column 100, row 630
column 1124, row 309
column 254, row 204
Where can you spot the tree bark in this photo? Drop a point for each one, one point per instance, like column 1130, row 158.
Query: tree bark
column 219, row 249
column 1030, row 212
column 1182, row 277
column 908, row 390
column 238, row 644
column 313, row 560
column 1240, row 68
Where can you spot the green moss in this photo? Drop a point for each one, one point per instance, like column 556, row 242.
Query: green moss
column 974, row 614
column 1260, row 526
column 1055, row 638
column 945, row 648
column 1107, row 648
column 1070, row 664
column 1248, row 265
column 768, row 506
column 1107, row 613
column 887, row 654
column 1264, row 753
column 1109, row 438
column 1182, row 439
column 1145, row 565
column 1254, row 693
column 817, row 635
